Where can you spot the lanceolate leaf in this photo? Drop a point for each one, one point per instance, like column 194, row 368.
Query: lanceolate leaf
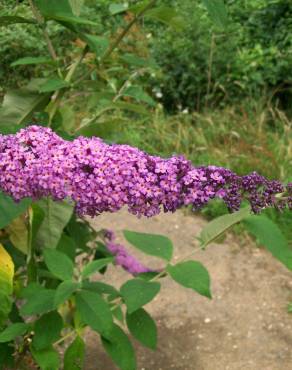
column 64, row 292
column 221, row 224
column 6, row 272
column 94, row 311
column 95, row 266
column 12, row 19
column 193, row 275
column 39, row 302
column 166, row 15
column 47, row 330
column 58, row 263
column 271, row 237
column 60, row 10
column 142, row 327
column 47, row 359
column 152, row 244
column 118, row 8
column 18, row 106
column 137, row 293
column 139, row 94
column 6, row 283
column 75, row 355
column 13, row 331
column 120, row 349
column 31, row 60
column 9, row 210
column 97, row 44
column 217, row 12
column 53, row 85
column 57, row 215
column 76, row 6
column 18, row 233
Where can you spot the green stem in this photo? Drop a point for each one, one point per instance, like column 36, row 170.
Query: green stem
column 42, row 24
column 121, row 36
column 31, row 261
column 54, row 105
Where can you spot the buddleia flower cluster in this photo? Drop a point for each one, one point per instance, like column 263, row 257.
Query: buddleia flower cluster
column 122, row 257
column 99, row 177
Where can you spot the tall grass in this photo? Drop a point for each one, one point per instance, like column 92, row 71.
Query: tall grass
column 242, row 139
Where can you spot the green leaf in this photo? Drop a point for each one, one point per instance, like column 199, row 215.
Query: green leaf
column 95, row 266
column 31, row 290
column 138, row 94
column 53, row 84
column 101, row 288
column 47, row 359
column 134, row 60
column 6, row 283
column 58, row 264
column 9, row 210
column 271, row 237
column 75, row 355
column 166, row 15
column 137, row 293
column 31, row 60
column 60, row 11
column 193, row 275
column 18, row 106
column 64, row 292
column 142, row 327
column 18, row 234
column 118, row 313
column 76, row 6
column 68, row 117
column 67, row 246
column 152, row 244
column 105, row 130
column 37, row 216
column 6, row 356
column 5, row 306
column 94, row 311
column 131, row 107
column 57, row 215
column 13, row 331
column 217, row 12
column 120, row 349
column 221, row 224
column 118, row 8
column 39, row 302
column 47, row 330
column 97, row 44
column 6, row 271
column 12, row 19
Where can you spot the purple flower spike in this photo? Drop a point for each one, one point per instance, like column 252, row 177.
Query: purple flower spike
column 104, row 178
column 122, row 256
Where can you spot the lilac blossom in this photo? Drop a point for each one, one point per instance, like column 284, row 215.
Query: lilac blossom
column 122, row 257
column 99, row 177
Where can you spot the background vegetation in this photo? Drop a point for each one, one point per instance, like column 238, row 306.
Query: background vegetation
column 218, row 93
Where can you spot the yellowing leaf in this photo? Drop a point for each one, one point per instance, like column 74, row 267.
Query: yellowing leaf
column 6, row 271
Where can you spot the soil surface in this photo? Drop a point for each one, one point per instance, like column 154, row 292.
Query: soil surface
column 244, row 327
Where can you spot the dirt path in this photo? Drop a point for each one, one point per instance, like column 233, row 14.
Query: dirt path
column 244, row 327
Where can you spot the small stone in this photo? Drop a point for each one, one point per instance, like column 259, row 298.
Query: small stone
column 207, row 320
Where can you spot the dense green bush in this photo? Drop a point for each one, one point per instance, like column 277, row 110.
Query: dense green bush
column 202, row 64
column 208, row 65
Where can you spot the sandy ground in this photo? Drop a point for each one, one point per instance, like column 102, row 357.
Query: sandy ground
column 244, row 327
